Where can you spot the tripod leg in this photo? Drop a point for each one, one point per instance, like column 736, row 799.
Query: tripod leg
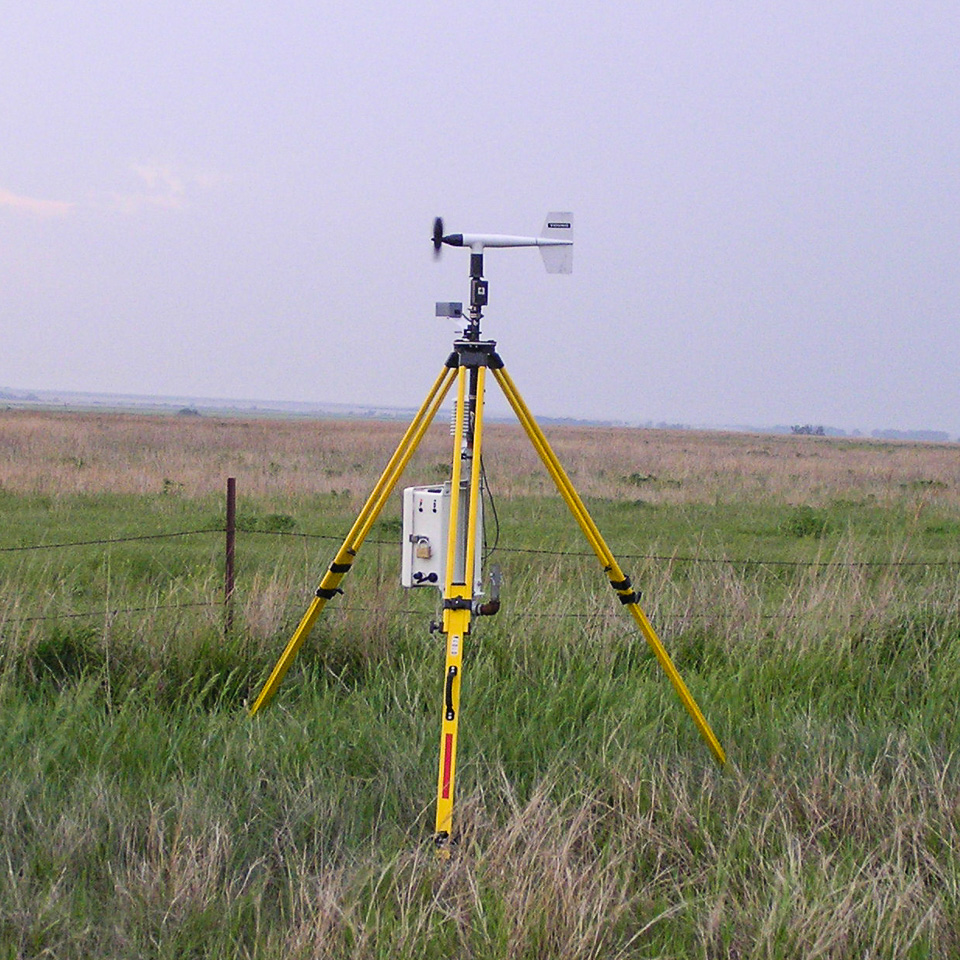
column 618, row 580
column 458, row 596
column 330, row 583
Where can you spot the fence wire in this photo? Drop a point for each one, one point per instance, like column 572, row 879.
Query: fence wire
column 536, row 551
column 94, row 543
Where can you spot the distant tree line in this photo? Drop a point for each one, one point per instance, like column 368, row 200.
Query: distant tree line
column 935, row 436
column 922, row 436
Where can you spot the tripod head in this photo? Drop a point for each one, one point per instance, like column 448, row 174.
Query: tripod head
column 555, row 243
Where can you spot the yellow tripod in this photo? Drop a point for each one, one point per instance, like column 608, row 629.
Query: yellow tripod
column 468, row 365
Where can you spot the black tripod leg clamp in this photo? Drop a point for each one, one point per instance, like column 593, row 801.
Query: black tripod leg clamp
column 625, row 598
column 458, row 603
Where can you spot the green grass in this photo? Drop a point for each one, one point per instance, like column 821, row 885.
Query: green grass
column 144, row 814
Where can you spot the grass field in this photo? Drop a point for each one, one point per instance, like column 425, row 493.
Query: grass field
column 807, row 589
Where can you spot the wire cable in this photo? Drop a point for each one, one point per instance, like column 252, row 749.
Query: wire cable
column 485, row 488
column 533, row 551
column 91, row 543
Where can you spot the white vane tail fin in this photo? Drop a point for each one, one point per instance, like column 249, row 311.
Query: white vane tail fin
column 558, row 255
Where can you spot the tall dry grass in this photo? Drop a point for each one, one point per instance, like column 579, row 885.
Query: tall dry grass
column 64, row 453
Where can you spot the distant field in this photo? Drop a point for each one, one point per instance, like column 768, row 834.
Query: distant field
column 807, row 589
column 64, row 453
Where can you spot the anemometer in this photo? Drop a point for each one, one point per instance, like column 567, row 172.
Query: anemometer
column 442, row 524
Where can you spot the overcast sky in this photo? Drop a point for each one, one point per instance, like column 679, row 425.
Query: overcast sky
column 235, row 200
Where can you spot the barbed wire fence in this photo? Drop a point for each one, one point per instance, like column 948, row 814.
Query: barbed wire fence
column 230, row 531
column 658, row 558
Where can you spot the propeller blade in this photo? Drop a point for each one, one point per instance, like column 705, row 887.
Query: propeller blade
column 437, row 236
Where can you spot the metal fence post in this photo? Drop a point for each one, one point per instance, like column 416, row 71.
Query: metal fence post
column 228, row 579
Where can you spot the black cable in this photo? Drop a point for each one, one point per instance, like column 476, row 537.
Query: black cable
column 485, row 488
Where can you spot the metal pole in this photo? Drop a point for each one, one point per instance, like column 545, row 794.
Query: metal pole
column 228, row 580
